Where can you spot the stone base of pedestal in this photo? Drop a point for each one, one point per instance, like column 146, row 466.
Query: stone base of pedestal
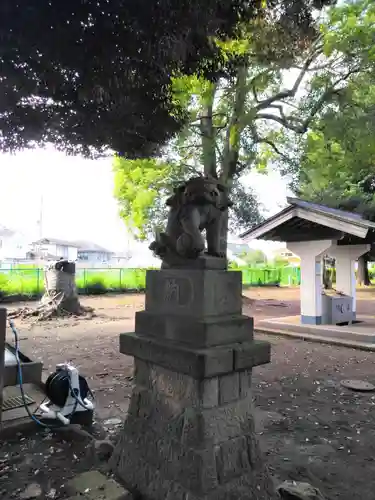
column 196, row 362
column 189, row 439
column 189, row 433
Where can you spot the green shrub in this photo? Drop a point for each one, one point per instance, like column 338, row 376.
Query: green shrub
column 96, row 288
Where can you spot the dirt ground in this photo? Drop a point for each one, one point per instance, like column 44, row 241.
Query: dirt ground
column 309, row 426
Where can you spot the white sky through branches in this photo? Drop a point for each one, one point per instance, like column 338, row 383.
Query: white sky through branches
column 78, row 200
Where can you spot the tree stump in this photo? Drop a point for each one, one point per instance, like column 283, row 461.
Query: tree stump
column 60, row 297
column 60, row 286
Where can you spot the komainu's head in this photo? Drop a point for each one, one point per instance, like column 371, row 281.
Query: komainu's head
column 201, row 191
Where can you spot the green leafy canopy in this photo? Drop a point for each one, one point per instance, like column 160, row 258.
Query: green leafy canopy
column 244, row 120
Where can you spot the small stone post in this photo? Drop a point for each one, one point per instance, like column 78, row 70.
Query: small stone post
column 3, row 329
column 189, row 433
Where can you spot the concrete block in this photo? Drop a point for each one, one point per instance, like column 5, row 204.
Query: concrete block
column 196, row 332
column 183, row 388
column 198, row 363
column 217, row 425
column 31, row 371
column 229, row 388
column 245, row 383
column 232, row 459
column 192, row 426
column 250, row 354
column 194, row 293
column 209, row 393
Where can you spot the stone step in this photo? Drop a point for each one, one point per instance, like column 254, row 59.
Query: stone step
column 364, row 346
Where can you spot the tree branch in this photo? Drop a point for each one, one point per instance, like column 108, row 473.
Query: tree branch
column 319, row 67
column 279, row 107
column 265, row 140
column 302, row 127
column 283, row 94
column 206, row 117
column 218, row 152
column 255, row 94
column 268, row 116
column 252, row 83
column 274, row 147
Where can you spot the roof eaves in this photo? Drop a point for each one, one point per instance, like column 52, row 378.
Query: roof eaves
column 267, row 221
column 337, row 214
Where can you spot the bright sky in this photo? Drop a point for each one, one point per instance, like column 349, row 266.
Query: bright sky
column 78, row 198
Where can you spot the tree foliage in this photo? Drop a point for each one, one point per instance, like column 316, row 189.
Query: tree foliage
column 142, row 187
column 336, row 158
column 96, row 74
column 338, row 155
column 254, row 257
column 241, row 121
column 345, row 56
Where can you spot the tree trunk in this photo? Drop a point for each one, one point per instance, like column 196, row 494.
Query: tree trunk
column 60, row 297
column 363, row 277
column 232, row 144
column 60, row 287
column 208, row 132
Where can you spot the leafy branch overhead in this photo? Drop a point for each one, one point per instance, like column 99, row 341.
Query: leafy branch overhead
column 96, row 74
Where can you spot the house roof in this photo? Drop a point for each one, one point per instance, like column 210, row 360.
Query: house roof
column 82, row 246
column 305, row 221
column 5, row 231
column 88, row 246
column 55, row 241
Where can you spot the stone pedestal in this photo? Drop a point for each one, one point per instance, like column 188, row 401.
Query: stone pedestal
column 189, row 433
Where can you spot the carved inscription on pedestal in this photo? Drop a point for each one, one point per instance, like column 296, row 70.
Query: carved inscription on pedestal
column 177, row 292
column 171, row 291
column 195, row 293
column 227, row 296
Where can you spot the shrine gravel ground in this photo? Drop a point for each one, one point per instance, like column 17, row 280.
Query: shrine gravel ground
column 310, row 427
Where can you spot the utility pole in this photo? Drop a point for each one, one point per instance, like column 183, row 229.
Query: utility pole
column 40, row 229
column 41, row 218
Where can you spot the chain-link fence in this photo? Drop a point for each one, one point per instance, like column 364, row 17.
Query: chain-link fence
column 30, row 281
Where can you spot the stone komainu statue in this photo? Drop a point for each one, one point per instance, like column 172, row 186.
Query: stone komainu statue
column 199, row 204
